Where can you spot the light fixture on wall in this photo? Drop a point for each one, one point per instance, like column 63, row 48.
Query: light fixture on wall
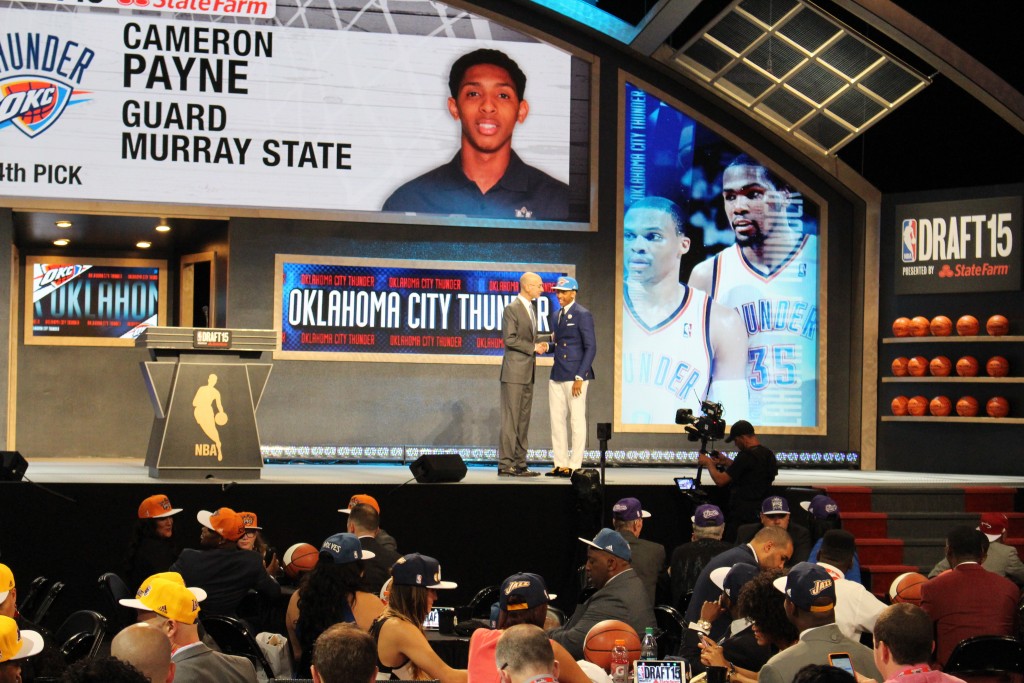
column 62, row 242
column 63, row 224
column 143, row 244
column 163, row 227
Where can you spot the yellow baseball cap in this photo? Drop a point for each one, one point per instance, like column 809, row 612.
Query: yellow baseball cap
column 15, row 643
column 180, row 580
column 6, row 581
column 167, row 598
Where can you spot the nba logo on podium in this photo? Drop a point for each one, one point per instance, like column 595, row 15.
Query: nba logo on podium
column 909, row 240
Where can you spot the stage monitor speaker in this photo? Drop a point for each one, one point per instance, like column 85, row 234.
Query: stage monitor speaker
column 438, row 468
column 12, row 466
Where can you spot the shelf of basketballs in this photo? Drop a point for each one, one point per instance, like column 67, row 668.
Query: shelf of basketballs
column 939, row 370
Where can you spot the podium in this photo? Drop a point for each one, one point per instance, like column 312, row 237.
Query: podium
column 205, row 385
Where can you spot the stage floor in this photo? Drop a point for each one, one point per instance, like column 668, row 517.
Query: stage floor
column 132, row 471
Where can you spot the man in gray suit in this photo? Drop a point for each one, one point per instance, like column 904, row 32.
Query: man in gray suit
column 648, row 558
column 519, row 331
column 810, row 606
column 620, row 593
column 1000, row 559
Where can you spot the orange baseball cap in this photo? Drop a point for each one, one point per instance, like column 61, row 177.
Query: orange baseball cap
column 250, row 521
column 156, row 507
column 224, row 521
column 361, row 498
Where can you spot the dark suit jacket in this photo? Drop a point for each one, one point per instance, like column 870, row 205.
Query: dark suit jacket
column 227, row 575
column 969, row 601
column 575, row 343
column 200, row 664
column 705, row 589
column 623, row 598
column 800, row 535
column 377, row 570
column 648, row 561
column 518, row 363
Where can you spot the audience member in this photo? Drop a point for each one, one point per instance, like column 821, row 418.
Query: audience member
column 904, row 646
column 810, row 606
column 154, row 548
column 524, row 655
column 823, row 673
column 221, row 568
column 856, row 607
column 174, row 609
column 344, row 653
column 8, row 593
column 689, row 559
column 824, row 514
column 147, row 649
column 775, row 512
column 620, row 594
column 771, row 548
column 102, row 670
column 15, row 646
column 740, row 646
column 969, row 600
column 648, row 558
column 328, row 595
column 523, row 599
column 383, row 537
column 402, row 648
column 364, row 522
column 1001, row 559
column 252, row 540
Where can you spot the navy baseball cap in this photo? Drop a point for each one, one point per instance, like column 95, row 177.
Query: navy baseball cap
column 821, row 507
column 809, row 587
column 739, row 428
column 775, row 505
column 523, row 591
column 708, row 515
column 611, row 541
column 567, row 283
column 732, row 579
column 419, row 570
column 629, row 509
column 345, row 548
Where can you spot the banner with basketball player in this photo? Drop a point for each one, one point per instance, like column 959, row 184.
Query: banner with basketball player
column 309, row 112
column 719, row 286
column 337, row 308
column 970, row 245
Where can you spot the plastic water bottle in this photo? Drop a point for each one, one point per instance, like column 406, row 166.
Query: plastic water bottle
column 649, row 646
column 620, row 662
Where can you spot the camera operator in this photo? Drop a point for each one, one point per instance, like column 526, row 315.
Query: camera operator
column 749, row 476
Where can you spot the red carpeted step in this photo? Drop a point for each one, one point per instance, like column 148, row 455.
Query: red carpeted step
column 882, row 576
column 851, row 498
column 880, row 550
column 866, row 524
column 987, row 498
column 1016, row 526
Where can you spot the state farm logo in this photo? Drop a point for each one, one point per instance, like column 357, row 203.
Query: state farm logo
column 138, row 3
column 946, row 271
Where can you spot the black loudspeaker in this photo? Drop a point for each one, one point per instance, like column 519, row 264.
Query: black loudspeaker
column 439, row 468
column 12, row 466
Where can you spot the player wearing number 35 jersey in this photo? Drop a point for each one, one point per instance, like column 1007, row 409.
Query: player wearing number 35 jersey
column 770, row 277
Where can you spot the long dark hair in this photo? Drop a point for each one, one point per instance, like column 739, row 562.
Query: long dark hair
column 326, row 594
column 145, row 529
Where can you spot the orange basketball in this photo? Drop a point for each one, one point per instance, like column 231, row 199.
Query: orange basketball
column 997, row 406
column 940, row 406
column 997, row 366
column 907, row 588
column 920, row 326
column 940, row 366
column 901, row 327
column 997, row 325
column 967, row 326
column 899, row 366
column 967, row 366
column 917, row 406
column 299, row 559
column 941, row 326
column 917, row 366
column 597, row 646
column 899, row 405
column 967, row 406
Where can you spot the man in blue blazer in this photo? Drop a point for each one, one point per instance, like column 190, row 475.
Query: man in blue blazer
column 575, row 345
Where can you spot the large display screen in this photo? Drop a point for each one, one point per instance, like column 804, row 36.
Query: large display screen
column 719, row 278
column 93, row 302
column 401, row 311
column 420, row 113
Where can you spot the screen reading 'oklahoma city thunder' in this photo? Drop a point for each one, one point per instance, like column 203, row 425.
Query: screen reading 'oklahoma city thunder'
column 720, row 278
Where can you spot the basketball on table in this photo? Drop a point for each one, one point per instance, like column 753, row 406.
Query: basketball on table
column 997, row 406
column 597, row 646
column 299, row 559
column 997, row 325
column 997, row 366
column 907, row 588
column 920, row 326
column 940, row 406
column 917, row 366
column 941, row 326
column 917, row 406
column 967, row 326
column 899, row 366
column 940, row 366
column 967, row 406
column 899, row 405
column 967, row 366
column 901, row 327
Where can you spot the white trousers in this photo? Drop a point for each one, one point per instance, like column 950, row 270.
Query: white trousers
column 563, row 404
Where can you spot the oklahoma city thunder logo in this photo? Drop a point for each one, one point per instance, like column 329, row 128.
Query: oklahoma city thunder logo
column 32, row 105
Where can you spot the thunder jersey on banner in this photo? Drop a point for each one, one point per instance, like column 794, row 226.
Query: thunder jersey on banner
column 780, row 313
column 667, row 366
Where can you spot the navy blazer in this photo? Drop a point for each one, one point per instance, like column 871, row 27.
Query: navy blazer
column 575, row 343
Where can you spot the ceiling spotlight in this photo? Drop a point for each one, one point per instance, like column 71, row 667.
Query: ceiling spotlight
column 63, row 225
column 143, row 244
column 163, row 227
column 62, row 242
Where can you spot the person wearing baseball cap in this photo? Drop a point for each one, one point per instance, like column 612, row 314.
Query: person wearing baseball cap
column 810, row 606
column 252, row 540
column 775, row 512
column 154, row 546
column 171, row 607
column 574, row 346
column 226, row 572
column 689, row 559
column 648, row 558
column 15, row 646
column 824, row 517
column 1001, row 559
column 522, row 599
column 620, row 594
column 740, row 648
column 383, row 538
column 364, row 523
column 402, row 647
column 8, row 593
